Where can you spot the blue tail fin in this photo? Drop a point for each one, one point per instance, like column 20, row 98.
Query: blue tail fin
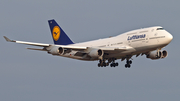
column 59, row 36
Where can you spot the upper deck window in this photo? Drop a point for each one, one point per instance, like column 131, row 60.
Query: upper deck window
column 160, row 28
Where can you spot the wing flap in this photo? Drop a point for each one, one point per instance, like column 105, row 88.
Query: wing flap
column 113, row 49
column 73, row 47
column 37, row 49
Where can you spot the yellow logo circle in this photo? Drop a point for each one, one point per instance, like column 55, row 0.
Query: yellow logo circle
column 56, row 33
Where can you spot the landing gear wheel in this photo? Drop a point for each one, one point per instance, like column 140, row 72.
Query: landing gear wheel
column 130, row 62
column 116, row 64
column 129, row 65
column 99, row 64
column 126, row 65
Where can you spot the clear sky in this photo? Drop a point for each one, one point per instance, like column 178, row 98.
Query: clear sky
column 27, row 75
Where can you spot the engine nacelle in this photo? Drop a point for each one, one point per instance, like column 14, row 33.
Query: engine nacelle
column 56, row 51
column 96, row 53
column 164, row 54
column 154, row 55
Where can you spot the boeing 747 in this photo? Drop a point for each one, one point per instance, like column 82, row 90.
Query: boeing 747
column 146, row 41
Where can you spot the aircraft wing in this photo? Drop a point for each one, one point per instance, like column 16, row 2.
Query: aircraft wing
column 72, row 47
column 108, row 50
column 27, row 43
column 45, row 45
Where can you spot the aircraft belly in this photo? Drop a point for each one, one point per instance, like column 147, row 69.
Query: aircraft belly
column 148, row 48
column 137, row 50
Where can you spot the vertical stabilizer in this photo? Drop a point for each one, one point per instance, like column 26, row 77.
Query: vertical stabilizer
column 58, row 35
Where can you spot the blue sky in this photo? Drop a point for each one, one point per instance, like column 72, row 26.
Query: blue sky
column 27, row 75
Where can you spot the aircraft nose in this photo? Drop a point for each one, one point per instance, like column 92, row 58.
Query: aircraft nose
column 169, row 37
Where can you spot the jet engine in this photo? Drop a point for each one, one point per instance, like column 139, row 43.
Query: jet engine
column 96, row 53
column 164, row 54
column 155, row 55
column 56, row 51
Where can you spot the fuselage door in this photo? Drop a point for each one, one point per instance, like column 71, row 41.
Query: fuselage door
column 156, row 37
column 129, row 42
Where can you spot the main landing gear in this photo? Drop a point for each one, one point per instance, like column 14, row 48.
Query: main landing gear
column 111, row 61
column 113, row 64
column 128, row 64
column 102, row 63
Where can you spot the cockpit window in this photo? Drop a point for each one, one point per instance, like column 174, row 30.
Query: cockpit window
column 160, row 28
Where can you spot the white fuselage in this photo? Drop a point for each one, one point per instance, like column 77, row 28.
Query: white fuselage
column 141, row 41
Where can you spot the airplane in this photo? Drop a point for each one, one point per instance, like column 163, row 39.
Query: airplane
column 144, row 41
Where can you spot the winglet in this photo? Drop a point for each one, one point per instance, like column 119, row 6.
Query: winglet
column 8, row 40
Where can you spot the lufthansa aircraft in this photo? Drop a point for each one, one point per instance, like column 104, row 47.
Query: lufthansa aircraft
column 146, row 41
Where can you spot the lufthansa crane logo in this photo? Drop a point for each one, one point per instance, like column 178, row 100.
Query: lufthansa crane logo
column 56, row 33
